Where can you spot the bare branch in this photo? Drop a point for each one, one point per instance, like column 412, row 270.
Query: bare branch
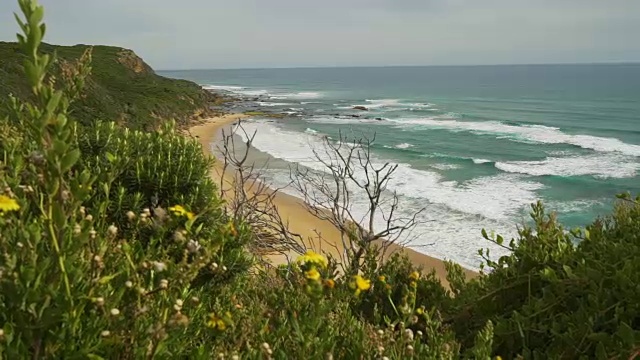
column 350, row 172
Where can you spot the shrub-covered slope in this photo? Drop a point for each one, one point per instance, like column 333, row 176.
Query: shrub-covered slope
column 121, row 87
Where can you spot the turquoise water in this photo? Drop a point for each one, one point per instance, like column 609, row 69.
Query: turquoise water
column 476, row 145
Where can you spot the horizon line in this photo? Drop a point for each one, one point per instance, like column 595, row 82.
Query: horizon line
column 633, row 62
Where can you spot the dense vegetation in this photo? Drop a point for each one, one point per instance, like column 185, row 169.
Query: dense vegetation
column 105, row 253
column 121, row 87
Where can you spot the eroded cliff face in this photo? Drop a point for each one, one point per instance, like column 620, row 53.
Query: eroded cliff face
column 133, row 62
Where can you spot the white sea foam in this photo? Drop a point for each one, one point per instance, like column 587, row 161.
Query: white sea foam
column 311, row 131
column 299, row 95
column 481, row 161
column 599, row 165
column 222, row 87
column 270, row 104
column 461, row 209
column 445, row 166
column 342, row 120
column 535, row 133
column 254, row 92
column 404, row 146
column 572, row 206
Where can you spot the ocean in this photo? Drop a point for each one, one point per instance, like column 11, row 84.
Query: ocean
column 475, row 145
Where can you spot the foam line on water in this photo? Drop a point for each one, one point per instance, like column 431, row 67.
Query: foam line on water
column 535, row 133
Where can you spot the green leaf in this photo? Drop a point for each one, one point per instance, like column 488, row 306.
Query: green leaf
column 499, row 240
column 110, row 157
column 94, row 357
column 70, row 159
column 484, row 234
column 627, row 334
column 568, row 270
column 59, row 217
column 106, row 279
column 601, row 353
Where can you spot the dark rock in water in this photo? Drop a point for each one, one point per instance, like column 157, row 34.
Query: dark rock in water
column 380, row 119
column 360, row 108
column 354, row 116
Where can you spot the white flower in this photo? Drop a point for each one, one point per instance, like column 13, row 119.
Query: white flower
column 419, row 333
column 409, row 348
column 380, row 332
column 89, row 217
column 193, row 246
column 131, row 215
column 178, row 236
column 159, row 266
column 224, row 268
column 128, row 284
column 235, row 357
column 179, row 302
column 92, row 233
column 214, row 266
column 105, row 333
column 408, row 333
column 164, row 283
column 115, row 312
column 77, row 229
column 100, row 301
column 113, row 230
column 266, row 346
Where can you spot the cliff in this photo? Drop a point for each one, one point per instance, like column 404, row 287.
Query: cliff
column 121, row 87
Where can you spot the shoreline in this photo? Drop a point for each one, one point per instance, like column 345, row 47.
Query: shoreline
column 292, row 209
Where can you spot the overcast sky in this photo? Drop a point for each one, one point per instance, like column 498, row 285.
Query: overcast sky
column 189, row 34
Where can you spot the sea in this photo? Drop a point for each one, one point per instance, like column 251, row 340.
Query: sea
column 475, row 145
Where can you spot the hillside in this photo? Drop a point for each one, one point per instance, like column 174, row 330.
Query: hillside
column 122, row 87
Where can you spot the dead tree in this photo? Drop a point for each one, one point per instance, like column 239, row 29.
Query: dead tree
column 349, row 172
column 250, row 200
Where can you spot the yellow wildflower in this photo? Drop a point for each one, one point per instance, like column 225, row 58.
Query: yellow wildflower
column 361, row 284
column 414, row 275
column 313, row 274
column 179, row 210
column 8, row 204
column 310, row 257
column 231, row 228
column 498, row 357
column 382, row 278
column 420, row 310
column 217, row 323
column 330, row 283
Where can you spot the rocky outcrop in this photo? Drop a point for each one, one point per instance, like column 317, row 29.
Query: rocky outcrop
column 359, row 107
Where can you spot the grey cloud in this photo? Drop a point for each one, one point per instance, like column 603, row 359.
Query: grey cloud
column 260, row 33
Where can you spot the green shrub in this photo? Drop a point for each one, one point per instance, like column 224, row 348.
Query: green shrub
column 114, row 244
column 551, row 299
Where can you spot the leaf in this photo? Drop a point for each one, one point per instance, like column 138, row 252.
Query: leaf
column 601, row 353
column 110, row 157
column 94, row 357
column 106, row 279
column 499, row 240
column 627, row 334
column 69, row 160
column 59, row 216
column 568, row 270
column 484, row 234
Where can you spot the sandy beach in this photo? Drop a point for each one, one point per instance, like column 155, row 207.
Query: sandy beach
column 292, row 209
